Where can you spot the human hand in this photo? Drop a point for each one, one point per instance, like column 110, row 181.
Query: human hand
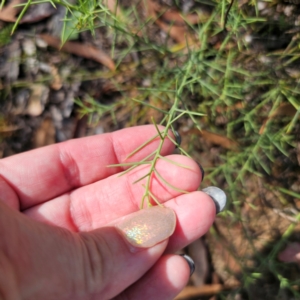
column 59, row 209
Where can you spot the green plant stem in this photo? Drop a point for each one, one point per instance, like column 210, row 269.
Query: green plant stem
column 170, row 117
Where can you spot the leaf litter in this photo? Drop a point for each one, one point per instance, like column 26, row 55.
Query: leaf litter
column 79, row 49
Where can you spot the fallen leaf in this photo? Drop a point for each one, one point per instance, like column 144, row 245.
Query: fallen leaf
column 236, row 106
column 220, row 140
column 215, row 138
column 177, row 30
column 198, row 251
column 38, row 12
column 113, row 6
column 9, row 12
column 204, row 290
column 284, row 109
column 178, row 33
column 174, row 16
column 8, row 129
column 81, row 126
column 291, row 253
column 79, row 49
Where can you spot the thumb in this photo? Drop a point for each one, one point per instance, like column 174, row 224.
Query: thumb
column 47, row 262
column 124, row 251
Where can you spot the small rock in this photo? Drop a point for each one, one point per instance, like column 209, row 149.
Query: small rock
column 187, row 5
column 10, row 62
column 29, row 47
column 288, row 10
column 38, row 99
column 57, row 96
column 31, row 63
column 45, row 67
column 261, row 5
column 67, row 104
column 56, row 83
column 99, row 129
column 38, row 12
column 20, row 102
column 41, row 43
column 56, row 115
column 146, row 82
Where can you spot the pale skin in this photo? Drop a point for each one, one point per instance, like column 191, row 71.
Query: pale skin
column 57, row 208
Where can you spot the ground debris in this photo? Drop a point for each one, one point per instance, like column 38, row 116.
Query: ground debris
column 191, row 292
column 199, row 252
column 214, row 138
column 82, row 50
column 239, row 249
column 45, row 134
column 10, row 61
column 37, row 100
column 178, row 32
column 38, row 12
column 9, row 12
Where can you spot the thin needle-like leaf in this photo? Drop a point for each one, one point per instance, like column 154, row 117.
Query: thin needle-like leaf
column 21, row 16
column 2, row 4
column 191, row 112
column 177, row 117
column 157, row 129
column 169, row 184
column 141, row 146
column 134, row 166
column 174, row 162
column 151, row 106
column 129, row 164
column 172, row 140
column 127, row 171
column 289, row 192
column 143, row 200
column 141, row 178
column 155, row 199
column 184, row 152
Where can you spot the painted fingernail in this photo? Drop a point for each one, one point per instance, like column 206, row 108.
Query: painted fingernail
column 148, row 227
column 201, row 169
column 190, row 263
column 177, row 138
column 217, row 195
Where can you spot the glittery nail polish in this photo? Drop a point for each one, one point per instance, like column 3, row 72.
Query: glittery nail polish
column 147, row 227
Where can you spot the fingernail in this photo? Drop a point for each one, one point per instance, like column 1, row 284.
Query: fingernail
column 201, row 169
column 190, row 263
column 148, row 227
column 217, row 195
column 177, row 138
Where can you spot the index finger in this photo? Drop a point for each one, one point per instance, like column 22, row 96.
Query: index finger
column 42, row 174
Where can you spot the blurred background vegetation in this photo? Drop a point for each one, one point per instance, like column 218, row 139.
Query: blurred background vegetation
column 71, row 69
